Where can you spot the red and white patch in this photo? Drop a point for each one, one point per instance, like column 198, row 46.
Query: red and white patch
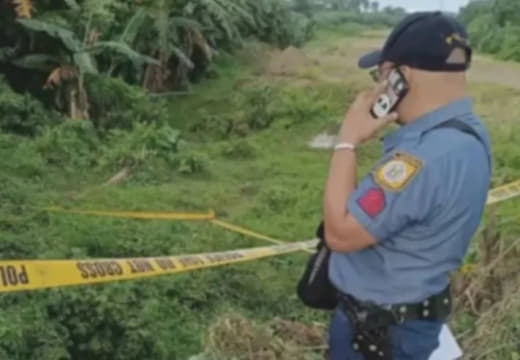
column 372, row 202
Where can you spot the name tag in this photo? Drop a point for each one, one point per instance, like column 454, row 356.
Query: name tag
column 448, row 348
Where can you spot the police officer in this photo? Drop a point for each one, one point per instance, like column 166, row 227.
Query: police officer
column 409, row 223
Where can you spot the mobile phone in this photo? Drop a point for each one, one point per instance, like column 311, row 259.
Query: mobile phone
column 395, row 92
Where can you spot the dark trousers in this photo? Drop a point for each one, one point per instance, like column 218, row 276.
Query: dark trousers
column 413, row 340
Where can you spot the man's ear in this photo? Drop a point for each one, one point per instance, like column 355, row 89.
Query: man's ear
column 407, row 73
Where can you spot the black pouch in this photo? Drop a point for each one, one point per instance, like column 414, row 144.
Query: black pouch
column 314, row 288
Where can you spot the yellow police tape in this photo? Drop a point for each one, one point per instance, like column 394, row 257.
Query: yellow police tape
column 20, row 275
column 40, row 274
column 504, row 192
column 137, row 214
column 244, row 231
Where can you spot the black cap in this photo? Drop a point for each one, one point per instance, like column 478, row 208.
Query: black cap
column 424, row 40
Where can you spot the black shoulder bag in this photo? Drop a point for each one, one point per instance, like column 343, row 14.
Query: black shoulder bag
column 314, row 288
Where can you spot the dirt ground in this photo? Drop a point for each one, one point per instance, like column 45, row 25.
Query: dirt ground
column 337, row 61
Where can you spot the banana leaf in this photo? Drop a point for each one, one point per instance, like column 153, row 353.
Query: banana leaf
column 86, row 63
column 42, row 62
column 67, row 37
column 122, row 49
column 133, row 26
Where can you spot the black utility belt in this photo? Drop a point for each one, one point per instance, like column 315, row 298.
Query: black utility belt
column 371, row 322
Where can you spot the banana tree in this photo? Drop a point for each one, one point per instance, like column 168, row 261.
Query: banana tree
column 171, row 31
column 74, row 59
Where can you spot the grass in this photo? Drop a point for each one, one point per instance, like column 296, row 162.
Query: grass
column 265, row 179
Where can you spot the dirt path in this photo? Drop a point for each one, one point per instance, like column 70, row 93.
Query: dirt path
column 487, row 70
column 336, row 61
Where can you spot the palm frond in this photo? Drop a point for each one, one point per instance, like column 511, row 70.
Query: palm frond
column 7, row 53
column 67, row 37
column 122, row 49
column 73, row 4
column 200, row 41
column 41, row 62
column 86, row 63
column 184, row 22
column 236, row 10
column 183, row 57
column 134, row 25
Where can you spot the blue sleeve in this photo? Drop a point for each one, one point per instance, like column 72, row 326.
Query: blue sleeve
column 385, row 209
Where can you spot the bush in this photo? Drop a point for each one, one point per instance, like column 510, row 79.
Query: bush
column 117, row 105
column 73, row 144
column 131, row 148
column 510, row 49
column 279, row 25
column 258, row 108
column 331, row 19
column 191, row 163
column 19, row 157
column 22, row 114
column 494, row 27
column 240, row 149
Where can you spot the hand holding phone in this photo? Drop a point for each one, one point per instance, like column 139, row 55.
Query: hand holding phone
column 388, row 101
column 359, row 125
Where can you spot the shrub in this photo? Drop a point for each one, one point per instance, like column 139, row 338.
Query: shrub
column 131, row 148
column 239, row 149
column 118, row 105
column 191, row 163
column 355, row 20
column 22, row 114
column 73, row 144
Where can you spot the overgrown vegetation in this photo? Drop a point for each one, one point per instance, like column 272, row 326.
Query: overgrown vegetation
column 494, row 26
column 54, row 50
column 157, row 138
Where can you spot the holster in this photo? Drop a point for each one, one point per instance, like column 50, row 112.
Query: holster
column 372, row 322
column 371, row 329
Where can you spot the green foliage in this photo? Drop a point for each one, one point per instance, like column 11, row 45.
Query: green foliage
column 161, row 44
column 277, row 24
column 258, row 108
column 494, row 27
column 191, row 163
column 510, row 49
column 132, row 148
column 247, row 159
column 72, row 145
column 22, row 114
column 116, row 104
column 355, row 23
column 239, row 149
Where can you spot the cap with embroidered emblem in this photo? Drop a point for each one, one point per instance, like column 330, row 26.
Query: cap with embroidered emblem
column 425, row 41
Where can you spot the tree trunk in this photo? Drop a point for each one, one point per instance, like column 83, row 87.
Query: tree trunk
column 78, row 99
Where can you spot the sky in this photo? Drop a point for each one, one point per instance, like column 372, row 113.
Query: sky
column 417, row 5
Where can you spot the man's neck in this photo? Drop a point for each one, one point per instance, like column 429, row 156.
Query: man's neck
column 419, row 105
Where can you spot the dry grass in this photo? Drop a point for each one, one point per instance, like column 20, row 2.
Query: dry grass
column 235, row 337
column 491, row 296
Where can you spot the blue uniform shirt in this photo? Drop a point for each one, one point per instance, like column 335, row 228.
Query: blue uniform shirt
column 424, row 202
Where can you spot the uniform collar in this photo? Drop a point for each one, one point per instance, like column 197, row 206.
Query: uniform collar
column 428, row 122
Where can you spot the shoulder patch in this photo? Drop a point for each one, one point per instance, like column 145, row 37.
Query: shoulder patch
column 397, row 173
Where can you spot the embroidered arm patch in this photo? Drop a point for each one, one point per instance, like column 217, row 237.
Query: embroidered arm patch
column 397, row 173
column 372, row 202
